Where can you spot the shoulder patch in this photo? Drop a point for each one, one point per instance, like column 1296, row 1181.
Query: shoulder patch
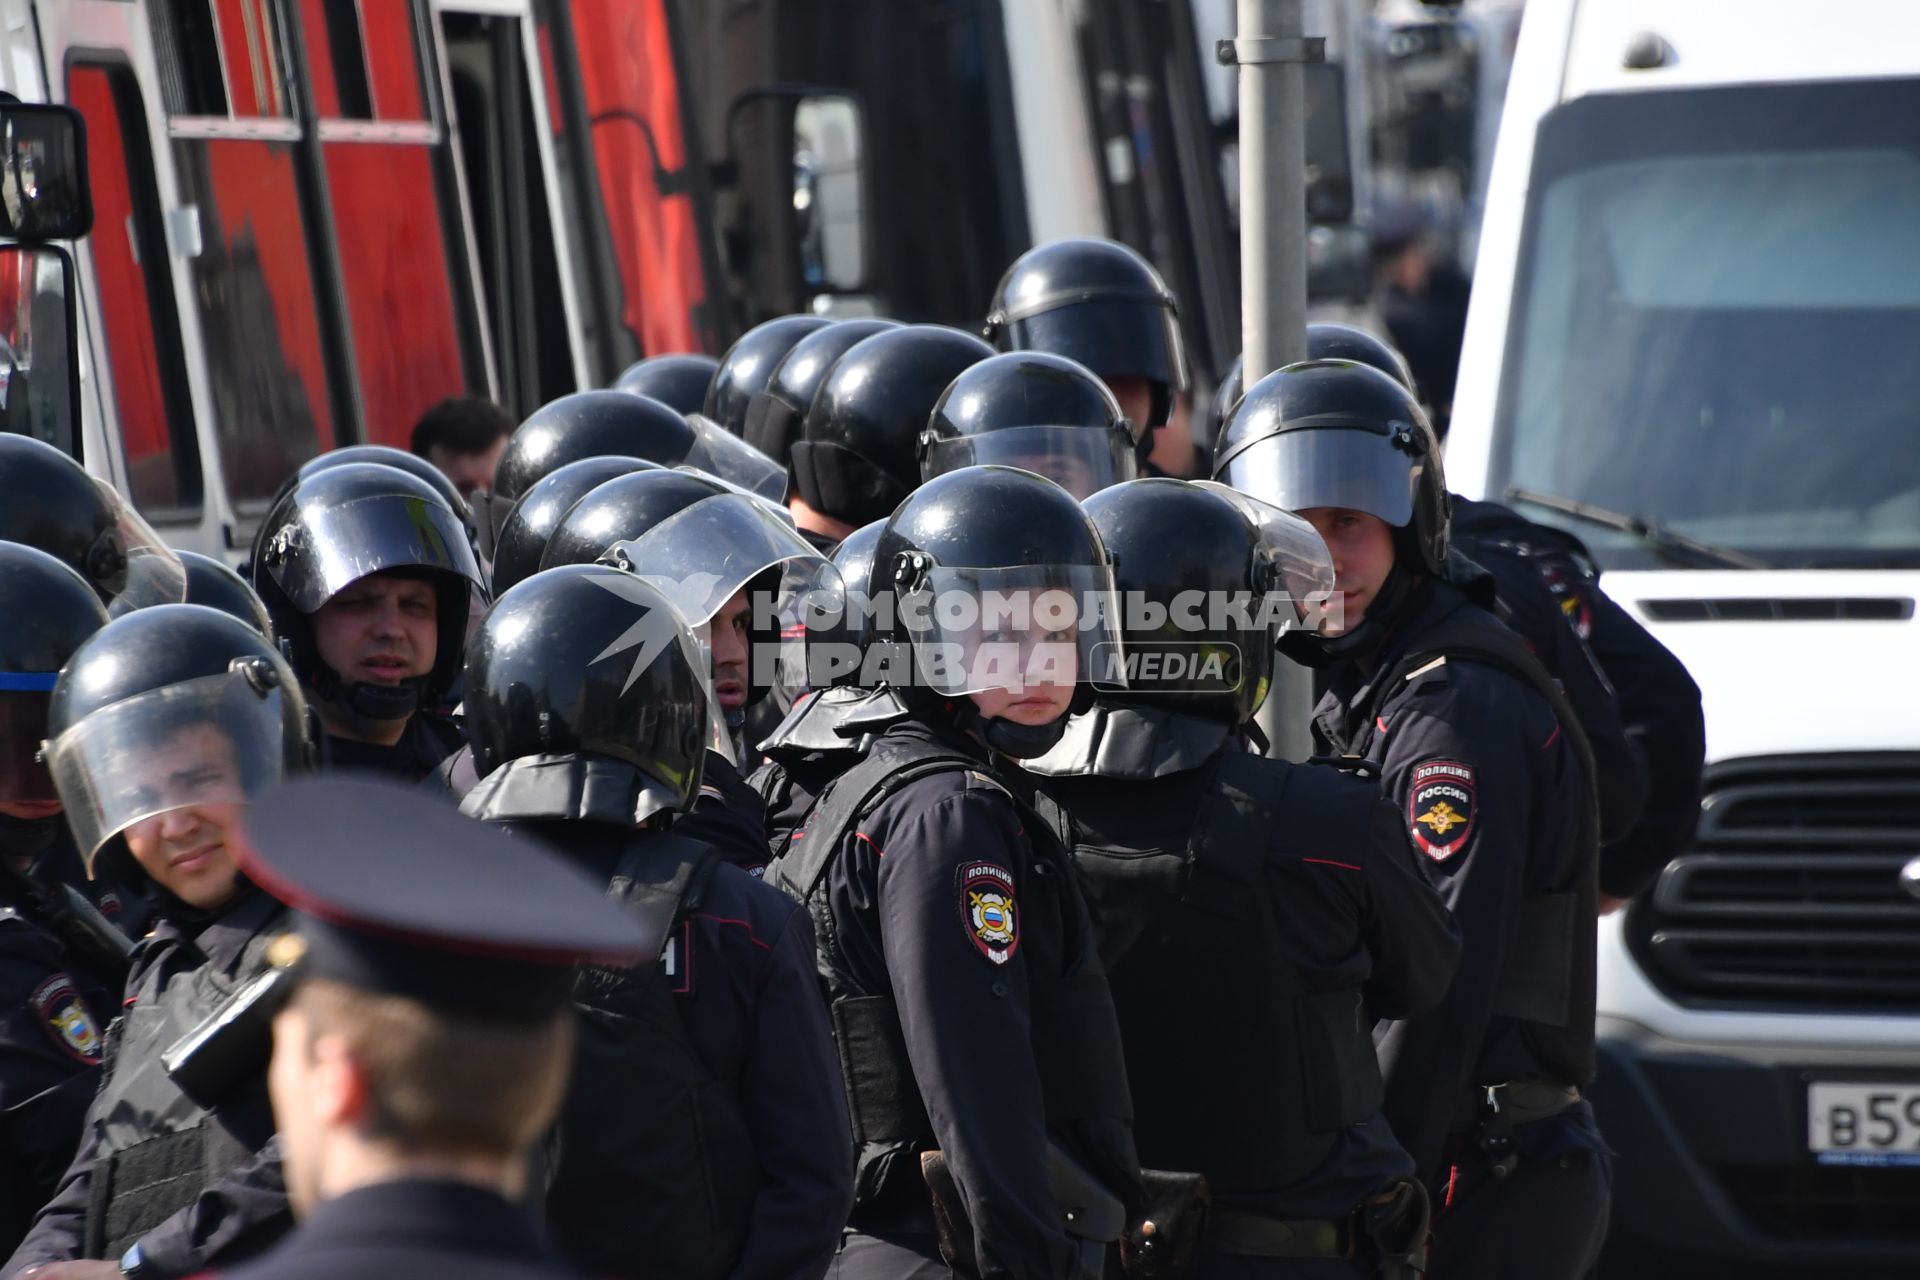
column 57, row 1003
column 1572, row 598
column 987, row 910
column 1440, row 807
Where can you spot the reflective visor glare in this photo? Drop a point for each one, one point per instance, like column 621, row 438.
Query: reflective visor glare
column 337, row 546
column 1081, row 460
column 720, row 453
column 703, row 556
column 1015, row 629
column 151, row 573
column 1348, row 468
column 213, row 741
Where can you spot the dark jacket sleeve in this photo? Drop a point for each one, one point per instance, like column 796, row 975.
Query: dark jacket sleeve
column 1660, row 706
column 1411, row 937
column 797, row 1110
column 59, row 1232
column 1428, row 1061
column 966, row 1023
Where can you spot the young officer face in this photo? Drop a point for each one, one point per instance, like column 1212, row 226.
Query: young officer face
column 187, row 849
column 731, row 644
column 379, row 630
column 1362, row 547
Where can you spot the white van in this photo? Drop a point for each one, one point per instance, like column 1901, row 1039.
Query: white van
column 1697, row 305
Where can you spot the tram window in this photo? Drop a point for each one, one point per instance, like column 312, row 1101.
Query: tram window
column 226, row 54
column 146, row 377
column 363, row 59
column 258, row 317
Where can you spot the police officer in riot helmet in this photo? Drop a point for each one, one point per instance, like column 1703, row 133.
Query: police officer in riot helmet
column 48, row 501
column 213, row 583
column 776, row 410
column 722, row 557
column 1254, row 915
column 748, row 364
column 973, row 1019
column 704, row 1133
column 857, row 454
column 835, row 714
column 1102, row 304
column 368, row 576
column 61, row 963
column 163, row 728
column 1035, row 411
column 1488, row 765
column 1639, row 707
column 677, row 379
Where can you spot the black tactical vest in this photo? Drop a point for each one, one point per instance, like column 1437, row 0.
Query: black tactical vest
column 158, row 1149
column 653, row 1168
column 1076, row 1045
column 1547, row 982
column 1193, row 940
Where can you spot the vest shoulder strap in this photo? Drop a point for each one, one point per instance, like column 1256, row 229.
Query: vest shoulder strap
column 1228, row 846
column 661, row 879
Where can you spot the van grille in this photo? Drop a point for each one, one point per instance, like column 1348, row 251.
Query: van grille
column 1791, row 896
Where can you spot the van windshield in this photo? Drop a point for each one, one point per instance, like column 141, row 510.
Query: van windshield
column 1716, row 323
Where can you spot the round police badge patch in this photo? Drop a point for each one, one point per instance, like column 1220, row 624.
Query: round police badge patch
column 988, row 912
column 61, row 1011
column 1440, row 807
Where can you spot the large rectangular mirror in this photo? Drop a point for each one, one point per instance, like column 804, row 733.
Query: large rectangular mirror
column 43, row 173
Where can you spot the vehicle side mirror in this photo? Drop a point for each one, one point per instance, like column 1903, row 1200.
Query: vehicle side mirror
column 39, row 363
column 44, row 193
column 830, row 214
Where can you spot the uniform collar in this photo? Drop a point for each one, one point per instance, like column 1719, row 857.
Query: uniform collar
column 422, row 1213
column 1350, row 690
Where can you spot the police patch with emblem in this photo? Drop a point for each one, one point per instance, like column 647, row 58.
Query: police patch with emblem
column 1440, row 807
column 61, row 1011
column 988, row 912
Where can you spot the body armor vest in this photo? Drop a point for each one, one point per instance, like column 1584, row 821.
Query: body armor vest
column 1076, row 1044
column 653, row 1168
column 1194, row 943
column 158, row 1149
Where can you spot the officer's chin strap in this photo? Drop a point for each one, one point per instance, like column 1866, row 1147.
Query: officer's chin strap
column 1383, row 615
column 371, row 701
column 1015, row 741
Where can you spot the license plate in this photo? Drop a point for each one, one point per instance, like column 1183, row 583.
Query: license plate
column 1865, row 1124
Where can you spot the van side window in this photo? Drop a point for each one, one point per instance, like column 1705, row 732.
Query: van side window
column 142, row 364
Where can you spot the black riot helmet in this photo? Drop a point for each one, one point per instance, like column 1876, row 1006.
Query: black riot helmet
column 996, row 579
column 701, row 543
column 777, row 409
column 588, row 424
column 1034, row 410
column 1100, row 303
column 678, row 380
column 1205, row 588
column 585, row 660
column 379, row 454
column 859, row 451
column 169, row 707
column 532, row 520
column 346, row 523
column 1325, row 341
column 839, row 630
column 1332, row 433
column 749, row 363
column 212, row 583
column 48, row 501
column 49, row 612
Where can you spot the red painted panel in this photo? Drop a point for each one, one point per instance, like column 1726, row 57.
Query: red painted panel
column 125, row 309
column 393, row 68
column 247, row 47
column 399, row 298
column 313, row 33
column 626, row 65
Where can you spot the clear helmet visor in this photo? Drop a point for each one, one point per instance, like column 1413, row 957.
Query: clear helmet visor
column 1348, row 468
column 1081, row 460
column 1303, row 567
column 720, row 453
column 24, row 701
column 334, row 547
column 130, row 561
column 1018, row 629
column 703, row 556
column 776, row 508
column 212, row 741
